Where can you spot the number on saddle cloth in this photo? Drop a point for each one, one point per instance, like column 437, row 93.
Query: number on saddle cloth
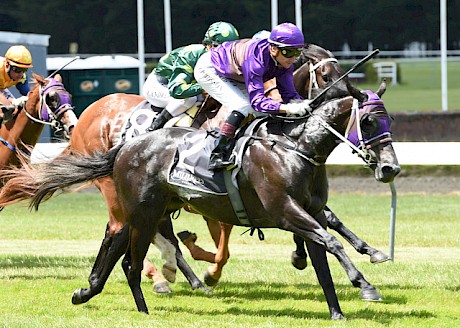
column 190, row 167
column 139, row 120
column 142, row 116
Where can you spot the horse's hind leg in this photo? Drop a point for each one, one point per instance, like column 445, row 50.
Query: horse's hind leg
column 321, row 265
column 334, row 223
column 111, row 250
column 139, row 241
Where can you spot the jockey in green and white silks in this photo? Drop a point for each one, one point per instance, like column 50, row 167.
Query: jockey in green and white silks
column 172, row 84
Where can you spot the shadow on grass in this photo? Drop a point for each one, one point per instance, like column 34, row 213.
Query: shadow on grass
column 381, row 316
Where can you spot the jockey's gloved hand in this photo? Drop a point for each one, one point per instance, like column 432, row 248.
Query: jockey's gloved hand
column 296, row 109
column 19, row 102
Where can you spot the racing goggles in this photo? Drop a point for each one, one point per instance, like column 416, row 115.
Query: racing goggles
column 19, row 69
column 290, row 52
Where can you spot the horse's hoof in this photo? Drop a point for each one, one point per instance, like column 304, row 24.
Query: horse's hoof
column 379, row 257
column 370, row 294
column 187, row 236
column 162, row 288
column 76, row 297
column 210, row 281
column 337, row 316
column 200, row 285
column 298, row 262
column 169, row 273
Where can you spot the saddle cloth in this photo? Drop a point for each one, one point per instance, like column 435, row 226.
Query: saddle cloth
column 190, row 166
column 139, row 120
column 143, row 114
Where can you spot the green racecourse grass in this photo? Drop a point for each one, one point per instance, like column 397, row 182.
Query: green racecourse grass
column 46, row 255
column 420, row 87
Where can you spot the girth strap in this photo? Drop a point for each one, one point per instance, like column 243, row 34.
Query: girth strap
column 238, row 206
column 235, row 199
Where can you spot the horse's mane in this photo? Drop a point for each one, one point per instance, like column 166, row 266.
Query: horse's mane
column 310, row 52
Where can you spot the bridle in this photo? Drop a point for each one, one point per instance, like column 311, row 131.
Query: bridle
column 51, row 116
column 313, row 83
column 354, row 129
column 46, row 115
column 354, row 136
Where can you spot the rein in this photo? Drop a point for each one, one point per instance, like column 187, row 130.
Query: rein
column 46, row 115
column 362, row 149
column 288, row 147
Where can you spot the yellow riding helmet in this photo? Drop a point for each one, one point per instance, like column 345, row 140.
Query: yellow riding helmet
column 19, row 56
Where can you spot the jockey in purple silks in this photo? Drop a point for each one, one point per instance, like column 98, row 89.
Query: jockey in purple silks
column 234, row 74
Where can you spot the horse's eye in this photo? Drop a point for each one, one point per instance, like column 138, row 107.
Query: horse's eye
column 369, row 125
column 325, row 78
column 52, row 100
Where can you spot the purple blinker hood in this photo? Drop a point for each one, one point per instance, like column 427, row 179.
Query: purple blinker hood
column 64, row 98
column 373, row 105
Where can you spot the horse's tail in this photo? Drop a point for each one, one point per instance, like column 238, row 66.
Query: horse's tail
column 39, row 183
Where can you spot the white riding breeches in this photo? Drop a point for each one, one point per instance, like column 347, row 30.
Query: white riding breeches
column 231, row 94
column 158, row 95
column 7, row 93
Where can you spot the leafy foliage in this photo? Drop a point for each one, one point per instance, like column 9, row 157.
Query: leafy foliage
column 100, row 26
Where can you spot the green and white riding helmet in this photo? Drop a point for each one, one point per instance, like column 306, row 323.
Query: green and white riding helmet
column 220, row 32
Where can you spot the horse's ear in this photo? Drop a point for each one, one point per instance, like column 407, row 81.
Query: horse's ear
column 355, row 92
column 40, row 79
column 58, row 77
column 382, row 88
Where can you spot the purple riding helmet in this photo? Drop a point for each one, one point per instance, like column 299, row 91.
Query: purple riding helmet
column 287, row 35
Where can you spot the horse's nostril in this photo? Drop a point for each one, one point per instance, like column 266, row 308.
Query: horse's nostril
column 391, row 170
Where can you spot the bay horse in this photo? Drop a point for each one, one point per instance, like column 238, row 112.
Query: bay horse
column 282, row 177
column 49, row 103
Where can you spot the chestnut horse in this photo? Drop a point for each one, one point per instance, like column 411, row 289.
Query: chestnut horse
column 49, row 103
column 289, row 191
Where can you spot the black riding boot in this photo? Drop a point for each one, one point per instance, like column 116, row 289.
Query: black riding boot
column 160, row 121
column 220, row 155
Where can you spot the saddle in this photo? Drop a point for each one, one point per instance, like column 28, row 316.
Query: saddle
column 190, row 166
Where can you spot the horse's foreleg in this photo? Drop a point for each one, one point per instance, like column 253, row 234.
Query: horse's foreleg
column 333, row 246
column 214, row 272
column 198, row 253
column 334, row 223
column 160, row 283
column 312, row 228
column 112, row 248
column 166, row 234
column 321, row 265
column 299, row 256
